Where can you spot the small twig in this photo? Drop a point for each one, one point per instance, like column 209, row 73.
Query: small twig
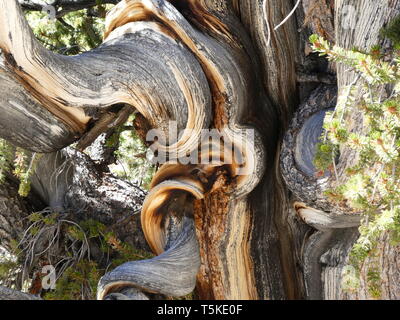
column 288, row 16
column 376, row 181
column 65, row 24
column 345, row 102
column 124, row 219
column 334, row 165
column 268, row 38
column 86, row 240
column 106, row 122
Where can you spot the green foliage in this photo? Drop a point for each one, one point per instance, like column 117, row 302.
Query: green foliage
column 8, row 264
column 24, row 166
column 21, row 171
column 5, row 267
column 93, row 228
column 6, row 158
column 74, row 33
column 324, row 156
column 350, row 279
column 132, row 162
column 80, row 280
column 374, row 283
column 373, row 186
column 80, row 277
column 77, row 282
column 49, row 219
column 125, row 252
column 392, row 32
column 19, row 162
column 374, row 71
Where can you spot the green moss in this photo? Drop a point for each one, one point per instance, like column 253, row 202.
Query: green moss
column 35, row 217
column 93, row 228
column 76, row 233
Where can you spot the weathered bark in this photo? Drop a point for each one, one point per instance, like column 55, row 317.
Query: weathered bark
column 326, row 250
column 272, row 244
column 384, row 262
column 39, row 130
column 14, row 211
column 69, row 183
column 277, row 49
column 159, row 275
column 68, row 85
column 204, row 64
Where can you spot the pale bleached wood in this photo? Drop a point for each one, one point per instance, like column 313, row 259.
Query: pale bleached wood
column 277, row 49
column 173, row 273
column 37, row 128
column 171, row 88
column 251, row 246
column 218, row 47
column 357, row 23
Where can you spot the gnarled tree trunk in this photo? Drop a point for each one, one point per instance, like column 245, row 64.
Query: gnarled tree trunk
column 260, row 228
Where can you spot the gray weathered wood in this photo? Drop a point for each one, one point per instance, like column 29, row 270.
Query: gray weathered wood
column 172, row 273
column 10, row 294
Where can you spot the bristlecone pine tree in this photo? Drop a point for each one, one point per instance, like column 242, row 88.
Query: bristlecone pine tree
column 275, row 232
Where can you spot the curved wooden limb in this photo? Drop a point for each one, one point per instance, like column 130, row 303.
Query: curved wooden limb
column 172, row 273
column 232, row 84
column 322, row 221
column 326, row 250
column 24, row 122
column 314, row 248
column 325, row 256
column 299, row 147
column 217, row 41
column 334, row 226
column 172, row 87
column 187, row 66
